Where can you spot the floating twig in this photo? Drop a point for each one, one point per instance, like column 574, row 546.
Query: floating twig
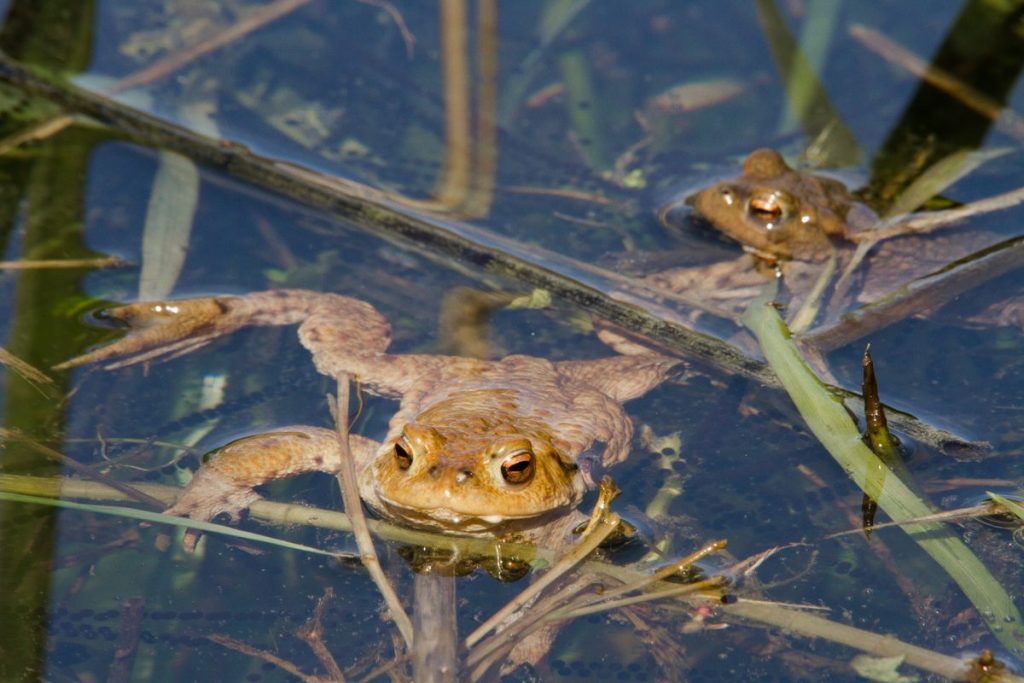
column 499, row 645
column 925, row 223
column 665, row 572
column 605, row 605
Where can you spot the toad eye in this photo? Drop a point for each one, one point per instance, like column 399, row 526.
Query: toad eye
column 403, row 455
column 518, row 467
column 767, row 208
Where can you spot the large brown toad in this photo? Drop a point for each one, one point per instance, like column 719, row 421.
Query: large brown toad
column 475, row 447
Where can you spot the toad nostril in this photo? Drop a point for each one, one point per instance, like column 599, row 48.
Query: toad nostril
column 434, row 471
column 463, row 476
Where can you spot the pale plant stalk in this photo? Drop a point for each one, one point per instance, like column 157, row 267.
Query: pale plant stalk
column 592, row 607
column 354, row 507
column 484, row 655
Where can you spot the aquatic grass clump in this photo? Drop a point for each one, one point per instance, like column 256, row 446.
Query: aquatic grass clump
column 829, row 421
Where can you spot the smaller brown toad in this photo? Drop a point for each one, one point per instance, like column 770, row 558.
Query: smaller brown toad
column 794, row 222
column 780, row 213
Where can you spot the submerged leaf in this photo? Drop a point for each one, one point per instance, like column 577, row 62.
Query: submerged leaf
column 169, row 217
column 882, row 669
column 693, row 95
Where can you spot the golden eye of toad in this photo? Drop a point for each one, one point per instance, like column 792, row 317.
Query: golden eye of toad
column 403, row 456
column 518, row 467
column 766, row 208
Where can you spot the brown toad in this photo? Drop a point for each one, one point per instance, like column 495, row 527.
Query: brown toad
column 476, row 446
column 793, row 223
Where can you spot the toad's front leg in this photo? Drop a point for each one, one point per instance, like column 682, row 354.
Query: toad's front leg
column 225, row 483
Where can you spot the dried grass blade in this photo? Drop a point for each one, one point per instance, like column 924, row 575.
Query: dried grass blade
column 160, row 518
column 27, row 371
column 602, row 523
column 1006, row 120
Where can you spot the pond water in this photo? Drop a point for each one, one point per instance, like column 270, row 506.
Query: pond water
column 362, row 148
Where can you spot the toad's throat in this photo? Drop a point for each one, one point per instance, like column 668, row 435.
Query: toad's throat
column 457, row 521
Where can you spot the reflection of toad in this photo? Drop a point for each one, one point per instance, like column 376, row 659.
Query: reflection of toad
column 794, row 222
column 475, row 447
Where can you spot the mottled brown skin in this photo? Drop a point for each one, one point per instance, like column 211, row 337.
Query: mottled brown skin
column 475, row 447
column 781, row 213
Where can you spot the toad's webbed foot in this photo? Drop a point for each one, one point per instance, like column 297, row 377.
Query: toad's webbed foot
column 163, row 329
column 211, row 493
